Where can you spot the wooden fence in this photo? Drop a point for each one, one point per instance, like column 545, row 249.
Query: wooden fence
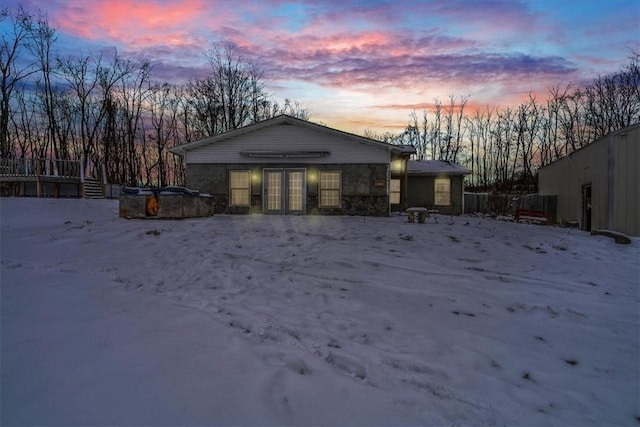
column 506, row 204
column 488, row 203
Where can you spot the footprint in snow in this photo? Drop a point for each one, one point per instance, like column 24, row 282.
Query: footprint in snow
column 465, row 313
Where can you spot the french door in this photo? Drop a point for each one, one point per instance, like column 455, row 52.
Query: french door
column 284, row 191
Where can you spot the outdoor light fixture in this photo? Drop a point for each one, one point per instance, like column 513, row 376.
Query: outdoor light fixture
column 396, row 165
column 312, row 177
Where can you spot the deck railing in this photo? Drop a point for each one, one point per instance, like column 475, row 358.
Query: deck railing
column 41, row 167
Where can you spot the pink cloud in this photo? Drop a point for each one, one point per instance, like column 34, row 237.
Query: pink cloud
column 135, row 23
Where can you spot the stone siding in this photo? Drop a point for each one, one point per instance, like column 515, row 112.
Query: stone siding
column 360, row 194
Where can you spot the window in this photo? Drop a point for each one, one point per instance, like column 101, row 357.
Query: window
column 442, row 192
column 395, row 191
column 330, row 183
column 239, row 182
column 296, row 183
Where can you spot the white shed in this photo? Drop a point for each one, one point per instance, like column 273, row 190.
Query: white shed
column 598, row 186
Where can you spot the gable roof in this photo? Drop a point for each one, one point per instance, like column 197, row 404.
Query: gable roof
column 434, row 167
column 279, row 120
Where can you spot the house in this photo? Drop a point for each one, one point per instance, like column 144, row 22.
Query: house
column 436, row 184
column 598, row 186
column 285, row 165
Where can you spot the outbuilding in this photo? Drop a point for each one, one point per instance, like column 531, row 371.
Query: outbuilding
column 285, row 165
column 437, row 185
column 598, row 186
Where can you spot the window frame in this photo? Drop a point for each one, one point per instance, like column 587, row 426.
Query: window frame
column 438, row 195
column 322, row 190
column 246, row 188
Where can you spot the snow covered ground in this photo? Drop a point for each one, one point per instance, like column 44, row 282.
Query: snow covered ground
column 281, row 320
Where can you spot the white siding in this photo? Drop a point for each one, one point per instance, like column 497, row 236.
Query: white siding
column 285, row 137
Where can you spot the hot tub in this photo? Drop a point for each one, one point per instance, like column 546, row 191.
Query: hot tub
column 164, row 203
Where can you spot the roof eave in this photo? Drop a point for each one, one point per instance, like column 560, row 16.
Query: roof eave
column 182, row 149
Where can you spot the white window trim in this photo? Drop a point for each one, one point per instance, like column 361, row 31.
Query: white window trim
column 247, row 188
column 339, row 190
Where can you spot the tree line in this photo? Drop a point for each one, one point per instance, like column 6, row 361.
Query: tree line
column 106, row 109
column 504, row 147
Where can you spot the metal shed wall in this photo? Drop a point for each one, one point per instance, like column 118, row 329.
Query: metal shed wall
column 611, row 166
column 626, row 214
column 286, row 137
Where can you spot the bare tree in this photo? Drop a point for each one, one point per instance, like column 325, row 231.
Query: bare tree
column 13, row 66
column 24, row 124
column 293, row 109
column 41, row 41
column 612, row 102
column 454, row 131
column 82, row 74
column 163, row 104
column 132, row 95
column 236, row 83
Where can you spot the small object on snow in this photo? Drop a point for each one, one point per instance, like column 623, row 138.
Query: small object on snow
column 618, row 237
column 422, row 214
column 530, row 215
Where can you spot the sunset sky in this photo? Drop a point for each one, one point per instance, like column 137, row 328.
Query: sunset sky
column 360, row 65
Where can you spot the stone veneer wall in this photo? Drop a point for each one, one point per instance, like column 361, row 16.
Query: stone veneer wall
column 360, row 195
